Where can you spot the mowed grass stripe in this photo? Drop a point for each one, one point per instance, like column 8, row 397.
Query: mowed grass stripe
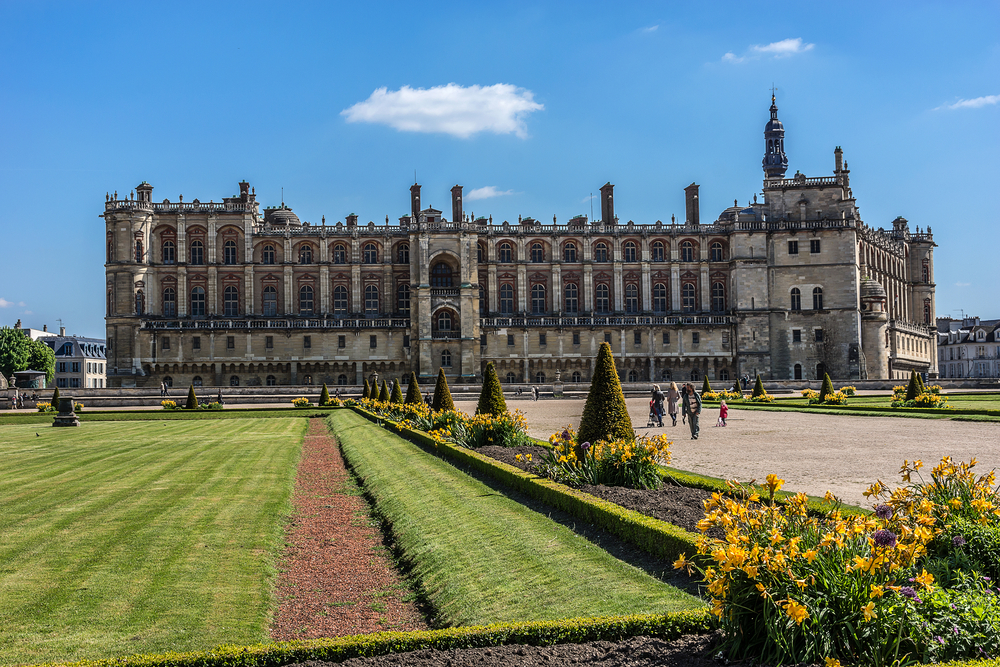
column 119, row 538
column 482, row 557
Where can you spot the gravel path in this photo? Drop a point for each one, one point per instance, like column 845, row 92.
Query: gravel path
column 812, row 453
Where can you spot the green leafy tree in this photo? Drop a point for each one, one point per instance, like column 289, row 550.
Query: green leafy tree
column 383, row 396
column 192, row 400
column 324, row 396
column 442, row 395
column 366, row 392
column 413, row 391
column 55, row 398
column 41, row 357
column 491, row 400
column 758, row 387
column 705, row 386
column 605, row 414
column 913, row 388
column 826, row 388
column 397, row 393
column 15, row 350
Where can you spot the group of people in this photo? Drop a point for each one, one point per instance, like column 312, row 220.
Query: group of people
column 20, row 396
column 690, row 403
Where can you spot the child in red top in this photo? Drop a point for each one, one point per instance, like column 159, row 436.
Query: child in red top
column 723, row 413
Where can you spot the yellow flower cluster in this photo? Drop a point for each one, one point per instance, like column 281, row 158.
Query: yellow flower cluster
column 169, row 405
column 300, row 402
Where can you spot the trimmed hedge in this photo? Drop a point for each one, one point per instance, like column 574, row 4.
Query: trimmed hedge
column 324, row 396
column 383, row 396
column 758, row 387
column 442, row 394
column 192, row 400
column 366, row 392
column 413, row 391
column 491, row 400
column 605, row 415
column 826, row 388
column 706, row 388
column 338, row 649
column 397, row 393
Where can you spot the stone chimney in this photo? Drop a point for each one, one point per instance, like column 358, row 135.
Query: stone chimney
column 456, row 204
column 691, row 204
column 62, row 331
column 838, row 160
column 607, row 204
column 45, row 327
column 415, row 201
column 352, row 220
column 144, row 192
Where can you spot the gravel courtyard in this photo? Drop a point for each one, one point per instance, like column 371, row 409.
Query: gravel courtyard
column 813, row 453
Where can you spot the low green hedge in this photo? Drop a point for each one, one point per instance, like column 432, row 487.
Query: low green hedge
column 651, row 535
column 539, row 633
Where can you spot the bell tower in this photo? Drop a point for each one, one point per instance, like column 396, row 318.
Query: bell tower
column 775, row 161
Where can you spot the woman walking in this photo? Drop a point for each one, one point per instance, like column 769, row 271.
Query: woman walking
column 692, row 409
column 673, row 395
column 658, row 404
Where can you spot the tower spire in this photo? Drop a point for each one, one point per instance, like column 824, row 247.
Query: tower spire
column 775, row 162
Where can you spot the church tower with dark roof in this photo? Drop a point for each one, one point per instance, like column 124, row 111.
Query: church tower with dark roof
column 775, row 161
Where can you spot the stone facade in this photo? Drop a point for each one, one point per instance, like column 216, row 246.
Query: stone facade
column 224, row 293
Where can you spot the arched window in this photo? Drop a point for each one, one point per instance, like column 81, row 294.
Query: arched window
column 140, row 302
column 441, row 275
column 601, row 252
column 820, row 371
column 796, row 299
column 198, row 302
column 540, row 377
column 480, row 253
column 234, row 381
column 577, row 377
column 444, row 321
column 537, row 252
column 687, row 251
column 271, row 381
column 308, row 379
column 631, row 299
column 658, row 251
column 197, row 252
column 138, row 251
column 229, row 252
column 340, row 301
column 482, row 300
column 633, row 376
column 267, row 254
column 505, row 253
column 572, row 297
column 305, row 254
column 688, row 297
column 538, row 299
column 817, row 298
column 169, row 381
column 724, row 374
column 342, row 379
column 340, row 254
column 231, row 302
column 370, row 253
column 403, row 299
column 371, row 300
column 403, row 253
column 629, row 251
column 169, row 302
column 718, row 297
column 716, row 250
column 659, row 298
column 506, row 299
column 798, row 371
column 446, row 359
column 511, row 378
column 927, row 311
column 270, row 301
column 602, row 300
column 169, row 252
column 306, row 300
column 925, row 272
column 196, row 380
column 695, row 375
column 569, row 252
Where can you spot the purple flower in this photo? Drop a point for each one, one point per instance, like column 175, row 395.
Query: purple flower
column 958, row 541
column 565, row 435
column 908, row 592
column 954, row 628
column 585, row 446
column 884, row 538
column 939, row 640
column 987, row 579
column 883, row 511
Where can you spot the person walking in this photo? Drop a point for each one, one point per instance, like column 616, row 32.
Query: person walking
column 534, row 392
column 673, row 395
column 691, row 408
column 658, row 399
column 723, row 413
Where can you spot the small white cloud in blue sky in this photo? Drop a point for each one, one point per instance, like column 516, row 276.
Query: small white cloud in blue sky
column 487, row 192
column 460, row 111
column 963, row 284
column 652, row 28
column 781, row 49
column 4, row 303
column 974, row 103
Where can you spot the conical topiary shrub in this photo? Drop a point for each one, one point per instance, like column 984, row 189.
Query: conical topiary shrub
column 383, row 396
column 705, row 386
column 366, row 392
column 397, row 393
column 605, row 416
column 192, row 402
column 913, row 388
column 491, row 400
column 324, row 396
column 55, row 399
column 442, row 395
column 413, row 391
column 758, row 387
column 920, row 383
column 826, row 388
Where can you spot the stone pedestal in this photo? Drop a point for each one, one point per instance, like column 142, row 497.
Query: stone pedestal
column 557, row 386
column 67, row 415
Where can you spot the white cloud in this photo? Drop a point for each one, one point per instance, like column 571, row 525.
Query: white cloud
column 652, row 28
column 782, row 49
column 974, row 103
column 487, row 192
column 453, row 109
column 732, row 58
column 589, row 198
column 963, row 284
column 4, row 303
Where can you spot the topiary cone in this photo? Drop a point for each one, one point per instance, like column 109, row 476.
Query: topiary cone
column 324, row 396
column 413, row 391
column 192, row 400
column 826, row 388
column 758, row 387
column 383, row 396
column 55, row 399
column 366, row 392
column 491, row 400
column 705, row 386
column 605, row 416
column 397, row 393
column 442, row 395
column 920, row 383
column 913, row 388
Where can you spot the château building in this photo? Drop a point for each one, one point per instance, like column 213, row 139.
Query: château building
column 791, row 286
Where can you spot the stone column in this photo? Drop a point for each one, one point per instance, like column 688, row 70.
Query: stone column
column 248, row 290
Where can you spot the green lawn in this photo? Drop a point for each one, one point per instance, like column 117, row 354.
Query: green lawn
column 160, row 414
column 482, row 557
column 140, row 537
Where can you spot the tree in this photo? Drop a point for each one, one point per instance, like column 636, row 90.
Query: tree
column 55, row 398
column 913, row 388
column 383, row 396
column 605, row 415
column 920, row 383
column 15, row 349
column 324, row 396
column 41, row 357
column 758, row 387
column 705, row 386
column 366, row 392
column 826, row 389
column 413, row 391
column 192, row 401
column 491, row 400
column 397, row 393
column 442, row 395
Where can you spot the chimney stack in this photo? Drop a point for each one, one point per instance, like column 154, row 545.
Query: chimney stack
column 62, row 331
column 456, row 204
column 691, row 204
column 415, row 201
column 45, row 327
column 838, row 156
column 607, row 204
column 352, row 220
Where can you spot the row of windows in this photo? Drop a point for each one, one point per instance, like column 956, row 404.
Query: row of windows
column 797, row 335
column 796, row 296
column 602, row 298
column 196, row 253
column 506, row 252
column 814, row 246
column 636, row 338
column 269, row 301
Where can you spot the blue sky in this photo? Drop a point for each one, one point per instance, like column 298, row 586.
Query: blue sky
column 549, row 102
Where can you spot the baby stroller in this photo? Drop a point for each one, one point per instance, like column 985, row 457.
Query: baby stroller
column 653, row 420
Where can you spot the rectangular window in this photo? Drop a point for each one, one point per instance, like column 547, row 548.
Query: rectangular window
column 607, row 337
column 74, row 382
column 638, row 337
column 165, row 343
column 75, row 367
column 406, row 340
column 576, row 338
column 695, row 338
column 196, row 343
column 373, row 342
column 814, row 246
column 819, row 335
column 307, row 342
column 62, row 367
column 541, row 340
column 796, row 335
column 230, row 342
column 482, row 340
column 793, row 247
column 342, row 342
column 666, row 338
column 510, row 340
column 61, row 383
column 269, row 342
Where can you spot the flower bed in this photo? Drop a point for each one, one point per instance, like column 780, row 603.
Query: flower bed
column 453, row 426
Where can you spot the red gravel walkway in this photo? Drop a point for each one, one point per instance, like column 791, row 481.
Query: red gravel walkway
column 336, row 577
